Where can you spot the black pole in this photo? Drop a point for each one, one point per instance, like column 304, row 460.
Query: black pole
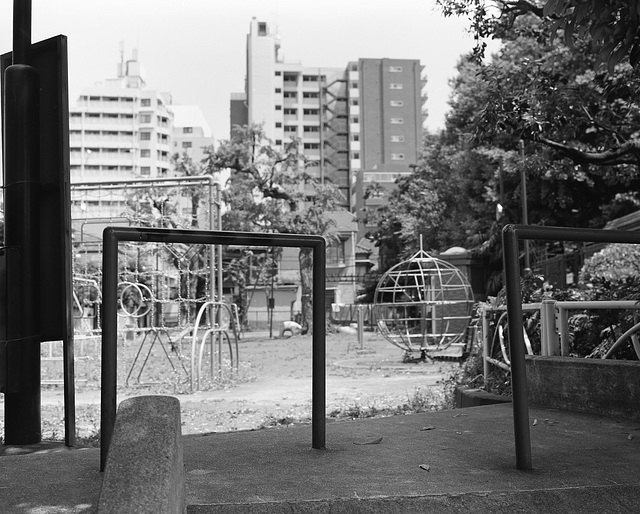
column 21, row 178
column 21, row 31
column 319, row 381
column 519, row 392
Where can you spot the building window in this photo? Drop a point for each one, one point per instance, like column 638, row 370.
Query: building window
column 355, row 155
column 355, row 137
column 395, row 85
column 312, row 146
column 186, row 144
column 311, row 128
column 187, row 130
column 278, row 124
column 396, row 103
column 355, row 102
column 290, row 94
column 354, row 85
column 290, row 128
column 395, row 69
column 279, row 108
column 354, row 66
column 278, row 142
column 145, row 170
column 262, row 28
column 145, row 152
column 309, row 78
column 311, row 112
column 355, row 119
column 310, row 95
column 397, row 157
column 145, row 102
column 335, row 252
column 291, row 111
column 397, row 121
column 397, row 139
column 278, row 90
column 145, row 136
column 278, row 73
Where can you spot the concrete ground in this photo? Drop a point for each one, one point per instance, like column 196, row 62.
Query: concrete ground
column 449, row 461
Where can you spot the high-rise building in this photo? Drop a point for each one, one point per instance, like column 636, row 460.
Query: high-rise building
column 357, row 124
column 120, row 130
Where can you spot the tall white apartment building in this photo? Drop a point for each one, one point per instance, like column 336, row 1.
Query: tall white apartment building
column 289, row 100
column 120, row 130
column 358, row 124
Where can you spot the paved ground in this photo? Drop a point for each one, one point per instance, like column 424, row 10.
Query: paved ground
column 447, row 461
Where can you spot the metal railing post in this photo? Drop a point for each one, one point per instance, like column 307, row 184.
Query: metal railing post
column 549, row 335
column 109, row 342
column 113, row 235
column 485, row 345
column 516, row 343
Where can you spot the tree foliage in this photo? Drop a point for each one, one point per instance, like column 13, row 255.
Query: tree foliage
column 271, row 190
column 536, row 109
column 612, row 27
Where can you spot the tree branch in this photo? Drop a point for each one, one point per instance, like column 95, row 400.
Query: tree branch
column 627, row 153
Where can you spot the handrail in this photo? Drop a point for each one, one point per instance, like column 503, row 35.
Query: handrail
column 511, row 236
column 554, row 323
column 113, row 235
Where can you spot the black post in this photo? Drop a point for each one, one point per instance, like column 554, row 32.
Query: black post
column 21, row 178
column 519, row 392
column 319, row 384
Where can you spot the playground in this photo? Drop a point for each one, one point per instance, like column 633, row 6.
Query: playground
column 271, row 385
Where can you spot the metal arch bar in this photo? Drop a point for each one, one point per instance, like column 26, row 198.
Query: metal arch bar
column 113, row 235
column 511, row 235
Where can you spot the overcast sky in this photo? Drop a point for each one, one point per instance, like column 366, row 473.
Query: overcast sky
column 195, row 49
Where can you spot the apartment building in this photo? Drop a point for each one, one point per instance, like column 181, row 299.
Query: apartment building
column 120, row 130
column 191, row 132
column 358, row 124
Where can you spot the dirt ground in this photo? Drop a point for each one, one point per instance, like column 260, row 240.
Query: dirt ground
column 271, row 385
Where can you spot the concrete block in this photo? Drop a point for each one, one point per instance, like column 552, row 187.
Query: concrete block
column 467, row 397
column 145, row 471
column 607, row 387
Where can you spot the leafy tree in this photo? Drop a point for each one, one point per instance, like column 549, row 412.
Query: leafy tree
column 562, row 97
column 270, row 190
column 611, row 26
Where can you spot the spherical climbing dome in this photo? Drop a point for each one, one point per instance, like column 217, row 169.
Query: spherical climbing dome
column 423, row 304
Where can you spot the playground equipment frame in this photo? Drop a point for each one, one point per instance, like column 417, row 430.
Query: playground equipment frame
column 113, row 235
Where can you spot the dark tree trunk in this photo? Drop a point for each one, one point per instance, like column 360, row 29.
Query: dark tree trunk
column 305, row 258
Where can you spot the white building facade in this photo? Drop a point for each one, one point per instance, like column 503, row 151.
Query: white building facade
column 120, row 130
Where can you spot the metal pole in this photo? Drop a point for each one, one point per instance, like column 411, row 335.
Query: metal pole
column 21, row 31
column 22, row 178
column 109, row 342
column 485, row 345
column 525, row 210
column 318, row 414
column 516, row 345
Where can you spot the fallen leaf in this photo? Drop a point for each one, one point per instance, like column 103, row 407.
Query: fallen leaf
column 426, row 467
column 535, row 422
column 430, row 427
column 631, row 436
column 374, row 441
